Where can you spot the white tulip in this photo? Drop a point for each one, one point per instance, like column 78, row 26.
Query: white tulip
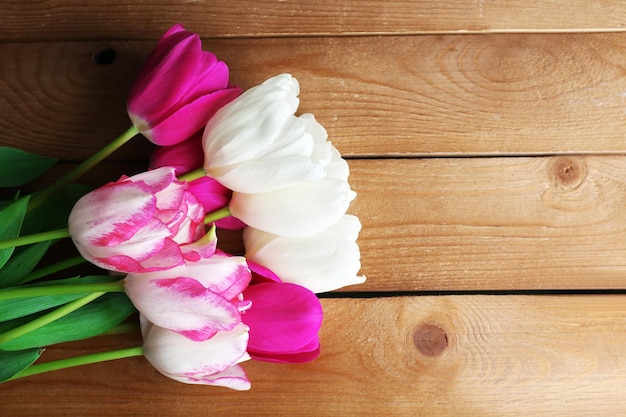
column 322, row 262
column 256, row 144
column 302, row 209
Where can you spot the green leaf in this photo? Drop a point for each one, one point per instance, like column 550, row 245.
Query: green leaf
column 91, row 320
column 20, row 307
column 21, row 263
column 53, row 213
column 11, row 217
column 18, row 167
column 12, row 363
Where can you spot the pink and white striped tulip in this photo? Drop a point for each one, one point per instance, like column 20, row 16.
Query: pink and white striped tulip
column 197, row 299
column 255, row 143
column 139, row 224
column 212, row 362
column 322, row 262
column 178, row 89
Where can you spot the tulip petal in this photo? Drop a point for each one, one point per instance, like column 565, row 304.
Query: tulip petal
column 261, row 274
column 187, row 120
column 302, row 209
column 139, row 259
column 184, row 157
column 178, row 88
column 305, row 354
column 210, row 193
column 197, row 362
column 255, row 143
column 183, row 305
column 321, row 262
column 283, row 318
column 154, row 91
column 233, row 377
column 202, row 248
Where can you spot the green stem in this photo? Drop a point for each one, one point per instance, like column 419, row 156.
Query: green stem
column 193, row 175
column 34, row 238
column 48, row 318
column 217, row 215
column 51, row 269
column 85, row 166
column 80, row 360
column 96, row 287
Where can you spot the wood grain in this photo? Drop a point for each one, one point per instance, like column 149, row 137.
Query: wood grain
column 486, row 144
column 476, row 224
column 105, row 19
column 408, row 95
column 502, row 356
column 492, row 223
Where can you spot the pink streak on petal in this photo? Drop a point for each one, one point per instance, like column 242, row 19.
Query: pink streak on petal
column 192, row 299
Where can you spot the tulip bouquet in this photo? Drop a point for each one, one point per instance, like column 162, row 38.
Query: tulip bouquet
column 224, row 159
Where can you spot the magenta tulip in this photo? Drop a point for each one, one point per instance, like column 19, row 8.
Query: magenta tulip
column 213, row 197
column 148, row 222
column 284, row 319
column 184, row 157
column 178, row 89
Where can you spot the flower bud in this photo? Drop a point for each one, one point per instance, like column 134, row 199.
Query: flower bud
column 256, row 143
column 178, row 89
column 137, row 224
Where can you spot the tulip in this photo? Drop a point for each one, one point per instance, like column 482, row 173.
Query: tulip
column 212, row 362
column 184, row 157
column 197, row 299
column 178, row 89
column 302, row 209
column 322, row 262
column 139, row 224
column 284, row 319
column 214, row 196
column 256, row 144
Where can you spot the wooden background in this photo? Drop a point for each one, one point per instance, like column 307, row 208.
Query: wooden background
column 486, row 141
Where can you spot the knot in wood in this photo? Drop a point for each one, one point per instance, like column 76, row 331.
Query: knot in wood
column 430, row 340
column 567, row 172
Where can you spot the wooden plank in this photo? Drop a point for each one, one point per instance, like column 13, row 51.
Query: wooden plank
column 492, row 223
column 477, row 224
column 478, row 356
column 77, row 20
column 413, row 95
